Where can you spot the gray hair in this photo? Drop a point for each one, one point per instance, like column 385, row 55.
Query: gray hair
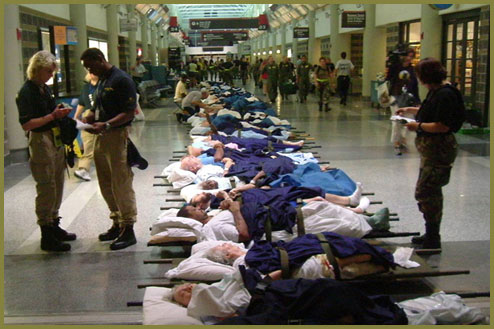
column 38, row 61
column 219, row 256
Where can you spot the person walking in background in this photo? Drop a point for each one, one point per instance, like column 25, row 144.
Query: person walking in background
column 38, row 116
column 441, row 114
column 343, row 71
column 273, row 78
column 303, row 79
column 244, row 70
column 322, row 75
column 286, row 75
column 86, row 102
column 111, row 117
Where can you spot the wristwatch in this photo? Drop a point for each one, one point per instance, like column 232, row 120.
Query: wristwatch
column 419, row 127
column 107, row 125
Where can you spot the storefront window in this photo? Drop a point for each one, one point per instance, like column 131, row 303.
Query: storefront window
column 410, row 36
column 101, row 45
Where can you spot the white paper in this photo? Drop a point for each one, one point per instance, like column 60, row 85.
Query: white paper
column 399, row 117
column 82, row 126
column 402, row 257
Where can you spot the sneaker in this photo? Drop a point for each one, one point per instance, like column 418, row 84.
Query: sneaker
column 397, row 150
column 82, row 174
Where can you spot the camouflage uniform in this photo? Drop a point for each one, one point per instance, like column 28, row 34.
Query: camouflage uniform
column 286, row 73
column 323, row 91
column 273, row 73
column 303, row 80
column 437, row 154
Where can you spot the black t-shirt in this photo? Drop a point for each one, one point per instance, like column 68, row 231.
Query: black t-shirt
column 243, row 66
column 115, row 94
column 443, row 105
column 227, row 65
column 33, row 104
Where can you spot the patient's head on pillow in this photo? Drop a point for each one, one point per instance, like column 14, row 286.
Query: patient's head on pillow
column 225, row 253
column 189, row 211
column 182, row 294
column 190, row 163
column 201, row 200
column 209, row 185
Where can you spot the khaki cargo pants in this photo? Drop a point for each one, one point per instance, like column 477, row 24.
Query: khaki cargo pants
column 115, row 176
column 47, row 164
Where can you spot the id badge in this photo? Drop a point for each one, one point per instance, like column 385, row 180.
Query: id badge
column 57, row 136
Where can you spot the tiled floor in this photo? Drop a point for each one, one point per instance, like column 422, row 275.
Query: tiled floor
column 91, row 282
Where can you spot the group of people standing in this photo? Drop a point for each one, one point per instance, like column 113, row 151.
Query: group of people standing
column 108, row 104
column 286, row 75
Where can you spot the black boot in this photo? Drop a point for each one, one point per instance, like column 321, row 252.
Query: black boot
column 418, row 239
column 320, row 107
column 62, row 234
column 432, row 239
column 49, row 241
column 125, row 239
column 327, row 108
column 111, row 234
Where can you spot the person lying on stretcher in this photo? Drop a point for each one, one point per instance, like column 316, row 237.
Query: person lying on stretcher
column 246, row 222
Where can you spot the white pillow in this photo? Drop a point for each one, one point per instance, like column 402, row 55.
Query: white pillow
column 165, row 222
column 159, row 310
column 180, row 178
column 170, row 168
column 199, row 268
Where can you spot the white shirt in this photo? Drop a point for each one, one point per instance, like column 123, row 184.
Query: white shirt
column 344, row 67
column 221, row 227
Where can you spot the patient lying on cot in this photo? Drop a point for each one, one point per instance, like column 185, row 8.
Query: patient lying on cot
column 244, row 223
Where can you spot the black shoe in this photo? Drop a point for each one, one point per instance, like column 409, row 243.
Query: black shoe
column 125, row 239
column 431, row 242
column 49, row 241
column 327, row 108
column 111, row 234
column 179, row 117
column 320, row 107
column 60, row 233
column 418, row 239
column 341, row 101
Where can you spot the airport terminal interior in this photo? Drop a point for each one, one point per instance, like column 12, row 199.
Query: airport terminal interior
column 93, row 284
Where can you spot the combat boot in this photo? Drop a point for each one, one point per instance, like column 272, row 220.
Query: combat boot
column 125, row 239
column 320, row 107
column 49, row 241
column 432, row 239
column 60, row 233
column 327, row 108
column 111, row 234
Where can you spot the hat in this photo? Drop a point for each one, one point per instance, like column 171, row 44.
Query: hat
column 204, row 90
column 134, row 159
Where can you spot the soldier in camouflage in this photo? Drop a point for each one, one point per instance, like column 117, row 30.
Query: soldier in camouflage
column 303, row 79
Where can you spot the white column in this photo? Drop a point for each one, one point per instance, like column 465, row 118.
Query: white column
column 78, row 18
column 132, row 37
column 166, row 44
column 312, row 37
column 266, row 43
column 283, row 40
column 13, row 133
column 374, row 49
column 294, row 44
column 430, row 45
column 336, row 46
column 112, row 29
column 153, row 45
column 144, row 37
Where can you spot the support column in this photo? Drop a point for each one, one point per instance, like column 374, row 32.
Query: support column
column 14, row 138
column 294, row 45
column 273, row 43
column 152, row 52
column 166, row 44
column 266, row 43
column 336, row 46
column 312, row 37
column 283, row 40
column 112, row 28
column 374, row 52
column 78, row 18
column 132, row 37
column 430, row 24
column 144, row 37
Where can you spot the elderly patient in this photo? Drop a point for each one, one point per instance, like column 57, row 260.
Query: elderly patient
column 244, row 223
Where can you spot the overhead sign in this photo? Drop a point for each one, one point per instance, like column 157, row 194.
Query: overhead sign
column 223, row 23
column 173, row 29
column 128, row 24
column 353, row 19
column 211, row 49
column 228, row 35
column 300, row 32
column 65, row 35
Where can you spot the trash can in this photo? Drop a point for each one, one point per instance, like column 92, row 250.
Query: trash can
column 373, row 92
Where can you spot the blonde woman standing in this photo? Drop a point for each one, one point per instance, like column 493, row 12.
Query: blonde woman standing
column 38, row 116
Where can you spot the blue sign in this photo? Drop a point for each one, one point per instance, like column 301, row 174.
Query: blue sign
column 72, row 35
column 440, row 7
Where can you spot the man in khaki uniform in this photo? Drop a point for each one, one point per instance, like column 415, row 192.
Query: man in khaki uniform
column 112, row 114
